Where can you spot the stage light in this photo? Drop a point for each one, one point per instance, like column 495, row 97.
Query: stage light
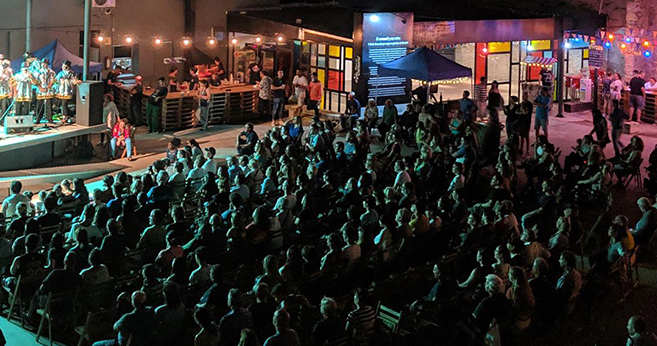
column 258, row 39
column 186, row 42
column 646, row 43
column 375, row 18
column 211, row 42
column 157, row 41
column 647, row 54
column 128, row 39
column 607, row 44
column 623, row 46
column 233, row 41
column 610, row 36
column 100, row 38
column 279, row 39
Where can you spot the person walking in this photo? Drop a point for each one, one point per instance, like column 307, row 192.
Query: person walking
column 542, row 103
column 316, row 92
column 278, row 87
column 204, row 104
column 617, row 118
column 154, row 106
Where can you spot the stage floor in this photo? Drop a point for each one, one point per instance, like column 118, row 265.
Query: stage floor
column 13, row 141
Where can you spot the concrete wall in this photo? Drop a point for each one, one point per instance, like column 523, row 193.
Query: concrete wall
column 143, row 19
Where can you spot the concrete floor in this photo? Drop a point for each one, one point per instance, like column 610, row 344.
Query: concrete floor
column 608, row 325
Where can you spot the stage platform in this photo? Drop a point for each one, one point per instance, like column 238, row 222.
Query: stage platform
column 30, row 150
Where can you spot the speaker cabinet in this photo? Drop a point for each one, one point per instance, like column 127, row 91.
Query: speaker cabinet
column 18, row 123
column 89, row 104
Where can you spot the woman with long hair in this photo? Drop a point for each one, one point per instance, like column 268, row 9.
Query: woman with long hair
column 521, row 295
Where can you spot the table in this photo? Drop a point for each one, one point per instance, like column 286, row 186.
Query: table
column 229, row 104
column 649, row 111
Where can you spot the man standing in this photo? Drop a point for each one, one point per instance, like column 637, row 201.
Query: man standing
column 264, row 102
column 617, row 118
column 6, row 74
column 542, row 103
column 111, row 81
column 45, row 94
column 300, row 83
column 136, row 95
column 23, row 82
column 468, row 108
column 547, row 78
column 637, row 95
column 204, row 104
column 278, row 86
column 481, row 96
column 316, row 92
column 66, row 82
column 154, row 105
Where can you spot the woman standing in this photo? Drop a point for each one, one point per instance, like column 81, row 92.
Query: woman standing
column 204, row 104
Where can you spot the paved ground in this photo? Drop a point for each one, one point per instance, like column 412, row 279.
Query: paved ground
column 608, row 324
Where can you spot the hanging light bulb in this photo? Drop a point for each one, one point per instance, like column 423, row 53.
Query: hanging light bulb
column 258, row 39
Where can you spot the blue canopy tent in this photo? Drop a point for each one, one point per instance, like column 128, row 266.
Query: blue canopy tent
column 56, row 54
column 425, row 65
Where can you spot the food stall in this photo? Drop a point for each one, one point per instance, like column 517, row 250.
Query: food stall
column 233, row 103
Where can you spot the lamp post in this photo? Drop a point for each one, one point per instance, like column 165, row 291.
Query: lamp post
column 28, row 26
column 85, row 54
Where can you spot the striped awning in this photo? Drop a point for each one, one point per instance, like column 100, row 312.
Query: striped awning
column 539, row 61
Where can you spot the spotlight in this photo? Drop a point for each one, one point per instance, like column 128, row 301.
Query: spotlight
column 100, row 38
column 375, row 18
column 128, row 39
column 279, row 39
column 628, row 40
column 647, row 54
column 258, row 39
column 157, row 41
column 233, row 41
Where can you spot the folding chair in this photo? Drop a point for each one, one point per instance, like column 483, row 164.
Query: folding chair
column 388, row 317
column 98, row 325
column 46, row 312
column 15, row 297
column 635, row 175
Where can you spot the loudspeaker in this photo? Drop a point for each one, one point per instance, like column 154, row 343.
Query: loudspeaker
column 19, row 122
column 89, row 103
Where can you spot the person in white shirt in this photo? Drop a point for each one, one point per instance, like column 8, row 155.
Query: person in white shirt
column 201, row 275
column 651, row 85
column 402, row 175
column 300, row 83
column 240, row 187
column 197, row 174
column 177, row 179
column 97, row 273
column 616, row 87
column 10, row 203
column 210, row 164
column 288, row 200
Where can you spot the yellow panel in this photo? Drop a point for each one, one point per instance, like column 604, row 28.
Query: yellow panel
column 585, row 53
column 499, row 47
column 348, row 52
column 321, row 77
column 334, row 51
column 541, row 45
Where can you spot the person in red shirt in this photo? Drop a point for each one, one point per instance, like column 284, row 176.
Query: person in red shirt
column 316, row 91
column 121, row 136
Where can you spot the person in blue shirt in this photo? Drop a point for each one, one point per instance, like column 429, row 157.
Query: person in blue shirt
column 542, row 103
column 349, row 119
column 468, row 108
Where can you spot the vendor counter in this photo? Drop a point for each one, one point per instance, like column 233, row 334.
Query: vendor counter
column 650, row 108
column 229, row 104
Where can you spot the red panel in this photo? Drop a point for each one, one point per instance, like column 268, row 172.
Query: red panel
column 480, row 62
column 334, row 78
column 535, row 71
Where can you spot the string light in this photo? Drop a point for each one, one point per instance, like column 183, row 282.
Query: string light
column 610, row 36
column 628, row 40
column 279, row 38
column 233, row 41
column 623, row 46
column 647, row 54
column 646, row 43
column 607, row 44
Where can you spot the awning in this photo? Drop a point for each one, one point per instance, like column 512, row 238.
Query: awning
column 538, row 61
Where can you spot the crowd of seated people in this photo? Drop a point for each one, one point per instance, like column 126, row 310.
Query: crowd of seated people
column 303, row 239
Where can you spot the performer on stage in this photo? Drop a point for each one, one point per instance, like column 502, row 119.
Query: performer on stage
column 44, row 80
column 66, row 82
column 6, row 74
column 23, row 82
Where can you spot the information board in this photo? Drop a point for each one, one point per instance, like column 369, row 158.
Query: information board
column 386, row 37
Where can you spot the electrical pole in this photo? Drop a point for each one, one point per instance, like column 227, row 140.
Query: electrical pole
column 85, row 53
column 28, row 26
